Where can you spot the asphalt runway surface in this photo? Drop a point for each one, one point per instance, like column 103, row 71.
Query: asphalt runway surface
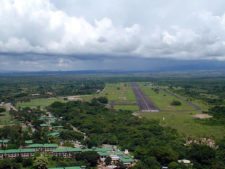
column 144, row 102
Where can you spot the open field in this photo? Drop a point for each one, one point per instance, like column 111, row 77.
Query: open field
column 186, row 124
column 42, row 102
column 119, row 94
column 180, row 117
column 163, row 100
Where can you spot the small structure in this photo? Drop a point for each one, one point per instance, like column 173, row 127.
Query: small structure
column 27, row 142
column 185, row 162
column 54, row 134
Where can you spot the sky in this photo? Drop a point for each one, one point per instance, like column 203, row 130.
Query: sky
column 51, row 35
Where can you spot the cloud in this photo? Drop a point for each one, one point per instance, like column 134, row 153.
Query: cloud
column 37, row 26
column 33, row 29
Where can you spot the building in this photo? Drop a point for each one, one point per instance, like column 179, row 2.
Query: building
column 67, row 152
column 27, row 142
column 4, row 143
column 54, row 134
column 13, row 153
column 74, row 167
column 43, row 147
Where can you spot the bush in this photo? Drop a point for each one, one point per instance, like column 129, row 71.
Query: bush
column 175, row 103
column 90, row 156
column 27, row 162
column 2, row 110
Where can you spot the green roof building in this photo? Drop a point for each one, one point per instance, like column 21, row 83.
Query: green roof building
column 43, row 147
column 29, row 142
column 74, row 167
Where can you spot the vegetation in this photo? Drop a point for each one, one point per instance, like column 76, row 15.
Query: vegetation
column 147, row 139
column 176, row 103
column 157, row 140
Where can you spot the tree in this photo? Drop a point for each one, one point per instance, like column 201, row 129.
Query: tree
column 173, row 165
column 27, row 162
column 90, row 156
column 102, row 100
column 175, row 103
column 9, row 164
column 41, row 162
column 108, row 161
column 2, row 110
column 202, row 154
column 165, row 154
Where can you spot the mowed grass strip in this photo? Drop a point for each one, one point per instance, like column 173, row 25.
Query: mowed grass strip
column 117, row 92
column 41, row 102
column 126, row 107
column 163, row 99
column 180, row 117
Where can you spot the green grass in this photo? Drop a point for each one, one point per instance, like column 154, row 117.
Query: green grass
column 186, row 124
column 127, row 107
column 180, row 117
column 119, row 92
column 163, row 100
column 42, row 102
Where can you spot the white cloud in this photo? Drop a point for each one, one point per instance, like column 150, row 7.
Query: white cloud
column 38, row 26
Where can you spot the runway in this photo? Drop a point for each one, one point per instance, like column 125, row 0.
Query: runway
column 144, row 102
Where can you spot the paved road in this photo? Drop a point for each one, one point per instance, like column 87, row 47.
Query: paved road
column 144, row 103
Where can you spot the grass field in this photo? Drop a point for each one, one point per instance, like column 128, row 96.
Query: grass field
column 127, row 107
column 42, row 102
column 180, row 117
column 163, row 100
column 118, row 93
column 186, row 124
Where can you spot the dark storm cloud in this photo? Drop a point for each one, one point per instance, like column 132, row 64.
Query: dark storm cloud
column 85, row 34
